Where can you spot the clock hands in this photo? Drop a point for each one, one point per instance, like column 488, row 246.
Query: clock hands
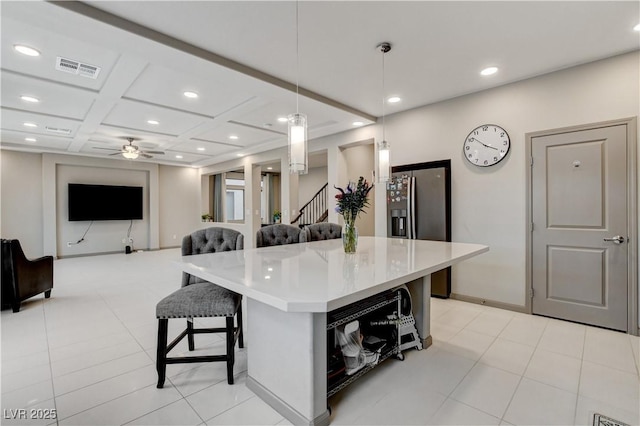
column 484, row 144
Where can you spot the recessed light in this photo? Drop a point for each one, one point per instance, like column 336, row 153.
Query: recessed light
column 233, row 137
column 200, row 149
column 31, row 139
column 190, row 94
column 283, row 119
column 269, row 168
column 26, row 50
column 489, row 71
column 394, row 99
column 636, row 28
column 240, row 155
column 178, row 156
column 27, row 98
column 154, row 122
column 357, row 123
column 27, row 124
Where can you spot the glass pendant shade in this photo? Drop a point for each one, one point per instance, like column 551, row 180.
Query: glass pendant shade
column 384, row 168
column 298, row 143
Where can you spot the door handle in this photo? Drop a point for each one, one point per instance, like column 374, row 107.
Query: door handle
column 617, row 239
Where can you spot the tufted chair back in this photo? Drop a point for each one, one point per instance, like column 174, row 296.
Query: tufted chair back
column 209, row 240
column 320, row 231
column 277, row 235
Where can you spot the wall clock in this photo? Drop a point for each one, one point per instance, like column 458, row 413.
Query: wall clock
column 486, row 145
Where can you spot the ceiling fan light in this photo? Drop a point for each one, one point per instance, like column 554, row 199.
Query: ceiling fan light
column 130, row 155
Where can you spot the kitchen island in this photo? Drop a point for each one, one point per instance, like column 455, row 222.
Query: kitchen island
column 289, row 291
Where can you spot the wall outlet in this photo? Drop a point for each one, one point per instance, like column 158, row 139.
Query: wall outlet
column 174, row 236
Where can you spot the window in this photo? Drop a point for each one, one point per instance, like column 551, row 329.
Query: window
column 234, row 200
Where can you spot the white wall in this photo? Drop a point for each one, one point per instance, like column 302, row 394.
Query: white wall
column 21, row 201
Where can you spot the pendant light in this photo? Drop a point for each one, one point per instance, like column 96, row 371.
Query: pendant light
column 297, row 126
column 384, row 165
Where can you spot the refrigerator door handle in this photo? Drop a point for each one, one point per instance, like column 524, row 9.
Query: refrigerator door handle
column 414, row 234
column 411, row 210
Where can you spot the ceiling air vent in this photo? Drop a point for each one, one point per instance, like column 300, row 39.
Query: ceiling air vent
column 58, row 130
column 78, row 68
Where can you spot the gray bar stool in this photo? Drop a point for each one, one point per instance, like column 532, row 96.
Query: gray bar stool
column 201, row 299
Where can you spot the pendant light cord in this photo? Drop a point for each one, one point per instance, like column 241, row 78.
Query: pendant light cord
column 297, row 59
column 383, row 53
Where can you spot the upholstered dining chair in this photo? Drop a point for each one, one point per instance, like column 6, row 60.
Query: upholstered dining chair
column 198, row 298
column 320, row 231
column 277, row 235
column 23, row 278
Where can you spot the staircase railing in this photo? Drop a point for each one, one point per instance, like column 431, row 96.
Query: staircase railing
column 315, row 210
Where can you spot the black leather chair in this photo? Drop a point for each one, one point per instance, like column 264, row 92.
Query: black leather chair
column 23, row 278
column 277, row 235
column 321, row 231
column 198, row 298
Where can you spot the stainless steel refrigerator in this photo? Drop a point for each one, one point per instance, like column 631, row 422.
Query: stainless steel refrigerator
column 419, row 207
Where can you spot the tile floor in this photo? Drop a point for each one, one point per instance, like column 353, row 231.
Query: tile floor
column 88, row 352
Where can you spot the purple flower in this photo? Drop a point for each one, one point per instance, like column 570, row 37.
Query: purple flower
column 353, row 200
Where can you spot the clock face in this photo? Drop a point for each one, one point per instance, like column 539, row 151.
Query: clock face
column 486, row 145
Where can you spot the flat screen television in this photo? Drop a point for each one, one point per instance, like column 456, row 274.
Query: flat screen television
column 104, row 202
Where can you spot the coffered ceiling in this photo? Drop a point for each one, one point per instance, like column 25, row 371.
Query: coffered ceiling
column 240, row 58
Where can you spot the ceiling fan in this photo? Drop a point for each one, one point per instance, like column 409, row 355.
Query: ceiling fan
column 131, row 151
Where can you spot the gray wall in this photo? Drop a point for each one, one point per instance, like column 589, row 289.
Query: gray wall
column 360, row 161
column 21, row 200
column 488, row 205
column 311, row 183
column 179, row 203
column 34, row 203
column 103, row 235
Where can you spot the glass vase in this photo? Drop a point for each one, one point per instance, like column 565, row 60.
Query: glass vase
column 349, row 238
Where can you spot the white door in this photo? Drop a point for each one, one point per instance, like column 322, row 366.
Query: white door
column 579, row 237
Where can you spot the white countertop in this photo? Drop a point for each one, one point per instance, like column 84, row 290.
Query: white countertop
column 319, row 276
